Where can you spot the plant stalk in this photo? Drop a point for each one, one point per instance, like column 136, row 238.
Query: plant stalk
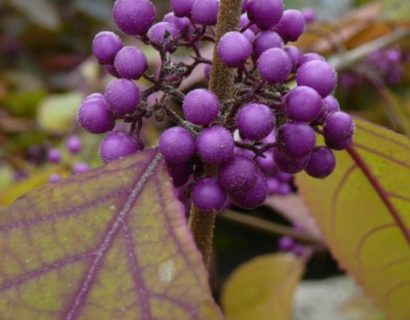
column 202, row 224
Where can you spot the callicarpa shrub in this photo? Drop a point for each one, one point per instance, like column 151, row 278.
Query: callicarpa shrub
column 254, row 142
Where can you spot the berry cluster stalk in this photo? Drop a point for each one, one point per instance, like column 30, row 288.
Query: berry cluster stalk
column 222, row 84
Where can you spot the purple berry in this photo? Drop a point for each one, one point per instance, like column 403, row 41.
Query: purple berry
column 296, row 139
column 309, row 15
column 117, row 145
column 294, row 55
column 201, row 107
column 134, row 17
column 111, row 70
column 180, row 172
column 338, row 126
column 73, row 144
column 238, row 175
column 274, row 65
column 266, row 163
column 215, row 145
column 53, row 156
column 255, row 121
column 105, row 46
column 332, row 104
column 164, row 33
column 54, row 178
column 208, row 195
column 254, row 197
column 182, row 8
column 318, row 75
column 284, row 189
column 265, row 13
column 234, row 49
column 130, row 63
column 177, row 145
column 303, row 104
column 273, row 186
column 205, row 12
column 286, row 244
column 250, row 35
column 267, row 40
column 80, row 167
column 122, row 96
column 291, row 25
column 288, row 164
column 94, row 115
column 182, row 24
column 311, row 56
column 322, row 163
column 339, row 145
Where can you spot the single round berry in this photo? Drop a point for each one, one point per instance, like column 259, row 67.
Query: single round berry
column 80, row 167
column 182, row 24
column 284, row 189
column 309, row 15
column 266, row 163
column 311, row 56
column 117, row 145
column 273, row 186
column 239, row 174
column 338, row 126
column 177, row 145
column 289, row 164
column 201, row 107
column 54, row 178
column 182, row 8
column 254, row 197
column 265, row 13
column 94, row 115
column 322, row 163
column 180, row 172
column 208, row 195
column 296, row 139
column 122, row 96
column 134, row 17
column 73, row 144
column 274, row 65
column 255, row 121
column 53, row 156
column 303, row 104
column 234, row 49
column 205, row 12
column 163, row 33
column 318, row 75
column 105, row 46
column 130, row 63
column 291, row 25
column 215, row 145
column 332, row 104
column 286, row 244
column 267, row 40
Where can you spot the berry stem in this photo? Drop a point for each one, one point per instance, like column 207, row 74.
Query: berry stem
column 202, row 224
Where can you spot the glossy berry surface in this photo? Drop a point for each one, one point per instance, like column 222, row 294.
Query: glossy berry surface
column 296, row 139
column 215, row 145
column 134, row 17
column 338, row 127
column 318, row 75
column 130, row 63
column 291, row 25
column 205, row 12
column 322, row 163
column 177, row 145
column 201, row 107
column 265, row 13
column 162, row 33
column 239, row 174
column 267, row 40
column 122, row 96
column 254, row 197
column 289, row 164
column 255, row 121
column 105, row 45
column 274, row 65
column 234, row 49
column 94, row 115
column 117, row 145
column 303, row 104
column 182, row 8
column 208, row 195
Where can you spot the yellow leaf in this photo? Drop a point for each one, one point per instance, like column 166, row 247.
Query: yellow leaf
column 263, row 288
column 363, row 211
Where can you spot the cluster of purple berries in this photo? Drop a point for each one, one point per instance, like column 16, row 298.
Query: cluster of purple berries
column 252, row 144
column 388, row 64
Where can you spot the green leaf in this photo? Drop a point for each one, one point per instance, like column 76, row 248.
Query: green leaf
column 363, row 212
column 112, row 243
column 57, row 112
column 263, row 288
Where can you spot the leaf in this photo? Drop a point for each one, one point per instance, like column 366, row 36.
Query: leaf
column 40, row 12
column 262, row 288
column 112, row 243
column 57, row 112
column 363, row 211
